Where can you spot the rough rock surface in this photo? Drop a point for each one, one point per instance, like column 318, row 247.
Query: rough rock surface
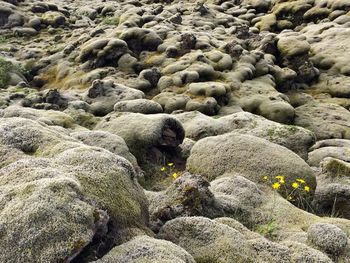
column 146, row 249
column 250, row 156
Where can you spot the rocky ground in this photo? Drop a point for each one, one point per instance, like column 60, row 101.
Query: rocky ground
column 175, row 131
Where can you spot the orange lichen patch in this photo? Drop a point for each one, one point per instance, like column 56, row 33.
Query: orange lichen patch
column 71, row 81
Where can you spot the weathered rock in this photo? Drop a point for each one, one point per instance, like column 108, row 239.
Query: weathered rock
column 147, row 249
column 269, row 251
column 54, row 19
column 328, row 238
column 149, row 137
column 327, row 121
column 302, row 253
column 91, row 205
column 207, row 240
column 103, row 95
column 249, row 156
column 198, row 126
column 139, row 106
column 106, row 140
column 102, row 51
column 318, row 155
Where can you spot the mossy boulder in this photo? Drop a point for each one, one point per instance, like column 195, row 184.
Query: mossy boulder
column 95, row 189
column 146, row 249
column 189, row 195
column 139, row 106
column 142, row 133
column 53, row 18
column 49, row 117
column 106, row 140
column 303, row 253
column 5, row 66
column 318, row 155
column 207, row 240
column 327, row 238
column 326, row 120
column 139, row 39
column 44, row 215
column 250, row 156
column 103, row 95
column 198, row 126
column 101, row 52
column 10, row 73
column 30, row 137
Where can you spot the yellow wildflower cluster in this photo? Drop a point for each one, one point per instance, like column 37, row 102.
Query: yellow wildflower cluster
column 170, row 167
column 295, row 191
column 281, row 180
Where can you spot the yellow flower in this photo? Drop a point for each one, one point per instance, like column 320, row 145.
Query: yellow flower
column 307, row 189
column 276, row 186
column 301, row 181
column 295, row 185
column 265, row 177
column 280, row 179
column 175, row 175
column 162, row 169
column 170, row 164
column 290, row 198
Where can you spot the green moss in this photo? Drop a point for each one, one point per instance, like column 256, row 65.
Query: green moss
column 270, row 132
column 28, row 190
column 113, row 20
column 336, row 168
column 5, row 66
column 4, row 38
column 268, row 230
column 293, row 129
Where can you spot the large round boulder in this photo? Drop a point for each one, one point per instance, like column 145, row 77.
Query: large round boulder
column 252, row 157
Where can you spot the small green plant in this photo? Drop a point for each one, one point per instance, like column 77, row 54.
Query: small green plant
column 268, row 230
column 2, row 39
column 5, row 66
column 270, row 132
column 292, row 128
column 111, row 20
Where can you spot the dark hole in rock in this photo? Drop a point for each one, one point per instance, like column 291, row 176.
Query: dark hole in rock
column 103, row 241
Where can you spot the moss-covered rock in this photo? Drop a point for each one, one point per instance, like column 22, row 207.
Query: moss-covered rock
column 103, row 95
column 47, row 205
column 326, row 120
column 207, row 240
column 106, row 140
column 318, row 155
column 143, row 132
column 139, row 106
column 102, row 51
column 328, row 238
column 5, row 66
column 198, row 126
column 49, row 117
column 303, row 253
column 147, row 249
column 249, row 156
